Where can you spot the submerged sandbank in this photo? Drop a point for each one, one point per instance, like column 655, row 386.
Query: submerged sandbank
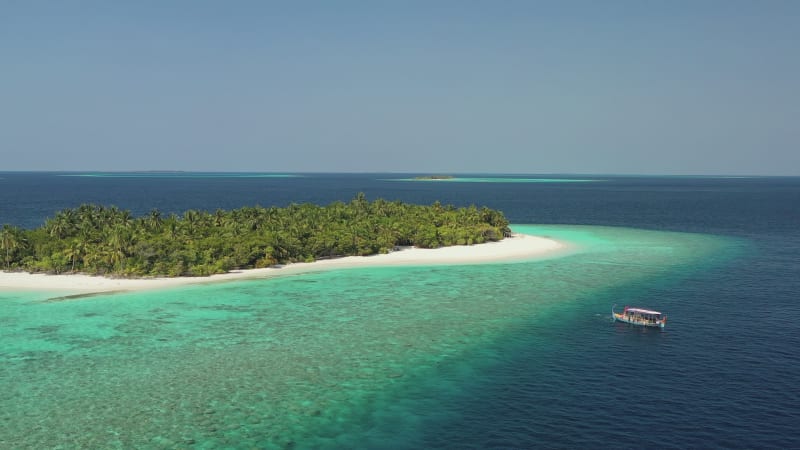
column 514, row 248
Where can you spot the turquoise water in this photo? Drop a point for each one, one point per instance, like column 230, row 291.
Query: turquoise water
column 367, row 357
column 498, row 180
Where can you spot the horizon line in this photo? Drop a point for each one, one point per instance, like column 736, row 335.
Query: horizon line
column 366, row 172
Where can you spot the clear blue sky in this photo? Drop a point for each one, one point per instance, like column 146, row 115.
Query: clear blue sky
column 643, row 87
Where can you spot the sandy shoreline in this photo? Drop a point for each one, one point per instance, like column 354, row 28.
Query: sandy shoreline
column 515, row 248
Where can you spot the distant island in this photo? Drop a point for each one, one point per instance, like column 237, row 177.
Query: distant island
column 434, row 177
column 99, row 240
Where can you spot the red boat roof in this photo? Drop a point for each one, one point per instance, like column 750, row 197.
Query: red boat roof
column 642, row 311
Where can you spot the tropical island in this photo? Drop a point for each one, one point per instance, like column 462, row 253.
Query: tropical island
column 434, row 177
column 99, row 240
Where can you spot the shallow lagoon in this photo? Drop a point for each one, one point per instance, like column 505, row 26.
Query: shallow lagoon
column 347, row 358
column 497, row 180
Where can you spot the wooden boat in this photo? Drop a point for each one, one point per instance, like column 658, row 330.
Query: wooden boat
column 641, row 317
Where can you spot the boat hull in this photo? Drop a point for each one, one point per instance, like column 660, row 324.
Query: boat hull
column 640, row 317
column 620, row 318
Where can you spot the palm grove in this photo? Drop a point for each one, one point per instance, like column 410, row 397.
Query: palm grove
column 109, row 241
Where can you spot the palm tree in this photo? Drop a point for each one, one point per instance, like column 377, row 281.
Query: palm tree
column 75, row 251
column 119, row 242
column 171, row 226
column 62, row 224
column 190, row 222
column 124, row 218
column 87, row 218
column 10, row 241
column 154, row 220
column 220, row 218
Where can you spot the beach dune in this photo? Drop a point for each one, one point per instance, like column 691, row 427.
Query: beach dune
column 515, row 248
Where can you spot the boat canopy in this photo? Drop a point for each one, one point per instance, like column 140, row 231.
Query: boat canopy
column 643, row 311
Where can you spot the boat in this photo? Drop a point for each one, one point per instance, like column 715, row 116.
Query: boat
column 641, row 317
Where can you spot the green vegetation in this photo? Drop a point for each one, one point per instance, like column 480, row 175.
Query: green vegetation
column 108, row 241
column 435, row 177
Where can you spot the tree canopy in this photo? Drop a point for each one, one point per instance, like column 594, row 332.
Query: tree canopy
column 103, row 240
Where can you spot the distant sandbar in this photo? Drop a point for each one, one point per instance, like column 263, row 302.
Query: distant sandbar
column 454, row 179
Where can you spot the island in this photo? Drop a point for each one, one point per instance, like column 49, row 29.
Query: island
column 99, row 240
column 435, row 177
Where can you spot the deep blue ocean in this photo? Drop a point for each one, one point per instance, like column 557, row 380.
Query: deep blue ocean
column 724, row 374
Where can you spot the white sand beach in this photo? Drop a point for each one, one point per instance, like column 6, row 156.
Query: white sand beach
column 519, row 247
